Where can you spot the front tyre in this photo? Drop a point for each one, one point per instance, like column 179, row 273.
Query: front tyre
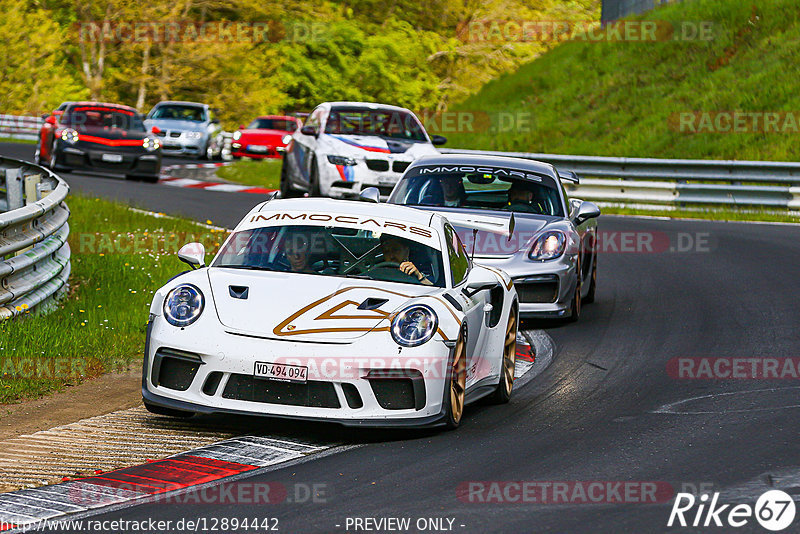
column 313, row 179
column 457, row 382
column 503, row 392
column 575, row 308
column 592, row 282
column 287, row 191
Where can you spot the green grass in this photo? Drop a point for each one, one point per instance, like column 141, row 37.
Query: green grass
column 119, row 258
column 621, row 98
column 13, row 140
column 710, row 215
column 259, row 173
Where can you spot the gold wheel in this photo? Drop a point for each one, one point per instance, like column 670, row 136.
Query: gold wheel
column 510, row 353
column 458, row 381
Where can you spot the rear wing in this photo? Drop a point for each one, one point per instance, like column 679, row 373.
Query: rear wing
column 475, row 223
column 569, row 176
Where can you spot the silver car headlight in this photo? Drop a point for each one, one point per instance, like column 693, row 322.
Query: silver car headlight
column 150, row 144
column 341, row 160
column 70, row 136
column 183, row 305
column 414, row 326
column 194, row 135
column 548, row 246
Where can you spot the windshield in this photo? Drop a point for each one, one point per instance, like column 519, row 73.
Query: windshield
column 383, row 123
column 479, row 190
column 179, row 112
column 283, row 125
column 333, row 251
column 84, row 118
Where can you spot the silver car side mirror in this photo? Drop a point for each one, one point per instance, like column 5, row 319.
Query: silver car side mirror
column 370, row 194
column 587, row 210
column 193, row 254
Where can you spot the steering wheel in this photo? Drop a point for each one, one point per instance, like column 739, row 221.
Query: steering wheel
column 389, row 271
column 386, row 265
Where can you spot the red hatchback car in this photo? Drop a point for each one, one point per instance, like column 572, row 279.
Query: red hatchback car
column 265, row 137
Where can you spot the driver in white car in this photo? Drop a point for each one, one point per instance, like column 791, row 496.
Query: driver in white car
column 395, row 250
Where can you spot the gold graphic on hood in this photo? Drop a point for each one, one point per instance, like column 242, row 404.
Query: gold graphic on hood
column 285, row 328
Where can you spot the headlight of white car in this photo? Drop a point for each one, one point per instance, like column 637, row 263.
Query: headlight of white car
column 548, row 246
column 414, row 326
column 341, row 160
column 194, row 135
column 151, row 144
column 237, row 135
column 70, row 136
column 183, row 305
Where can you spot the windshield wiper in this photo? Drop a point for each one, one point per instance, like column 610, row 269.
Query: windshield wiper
column 247, row 267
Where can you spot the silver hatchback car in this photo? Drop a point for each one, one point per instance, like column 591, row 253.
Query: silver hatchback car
column 551, row 253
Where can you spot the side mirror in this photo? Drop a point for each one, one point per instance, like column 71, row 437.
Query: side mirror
column 214, row 121
column 50, row 119
column 193, row 254
column 438, row 140
column 308, row 130
column 370, row 194
column 473, row 289
column 241, row 126
column 155, row 130
column 587, row 210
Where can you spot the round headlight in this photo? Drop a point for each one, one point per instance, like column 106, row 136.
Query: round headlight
column 183, row 305
column 548, row 246
column 414, row 326
column 150, row 144
column 237, row 135
column 70, row 136
column 286, row 139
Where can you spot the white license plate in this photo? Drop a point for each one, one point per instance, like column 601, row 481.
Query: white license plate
column 257, row 148
column 280, row 371
column 112, row 158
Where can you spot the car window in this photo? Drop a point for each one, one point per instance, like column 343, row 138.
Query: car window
column 481, row 191
column 332, row 251
column 283, row 125
column 179, row 112
column 96, row 119
column 390, row 124
column 459, row 261
column 315, row 119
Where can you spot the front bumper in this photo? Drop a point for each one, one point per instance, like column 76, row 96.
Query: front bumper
column 348, row 181
column 544, row 289
column 240, row 150
column 210, row 370
column 130, row 162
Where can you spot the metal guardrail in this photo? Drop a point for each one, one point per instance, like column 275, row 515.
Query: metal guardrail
column 673, row 183
column 20, row 126
column 34, row 253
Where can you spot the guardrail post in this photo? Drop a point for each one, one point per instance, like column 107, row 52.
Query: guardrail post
column 14, row 188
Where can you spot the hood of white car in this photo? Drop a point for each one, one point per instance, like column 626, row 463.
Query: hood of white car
column 374, row 146
column 304, row 307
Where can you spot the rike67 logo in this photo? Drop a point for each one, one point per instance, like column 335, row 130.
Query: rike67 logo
column 774, row 510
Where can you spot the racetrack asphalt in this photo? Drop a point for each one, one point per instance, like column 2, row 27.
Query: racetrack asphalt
column 606, row 409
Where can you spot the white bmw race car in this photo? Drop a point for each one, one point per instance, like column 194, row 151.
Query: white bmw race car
column 345, row 147
column 333, row 310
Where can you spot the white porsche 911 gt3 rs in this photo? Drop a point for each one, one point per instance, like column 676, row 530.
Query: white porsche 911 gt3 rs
column 345, row 147
column 333, row 310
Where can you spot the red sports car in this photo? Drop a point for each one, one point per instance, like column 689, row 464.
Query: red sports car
column 265, row 137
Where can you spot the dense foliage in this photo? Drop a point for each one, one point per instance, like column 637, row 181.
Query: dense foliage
column 413, row 53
